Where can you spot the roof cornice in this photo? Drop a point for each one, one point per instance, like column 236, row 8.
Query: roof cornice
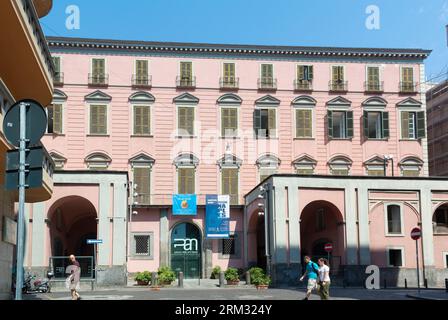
column 204, row 48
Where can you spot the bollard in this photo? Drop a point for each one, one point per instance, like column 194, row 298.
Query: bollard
column 446, row 285
column 181, row 279
column 385, row 284
column 221, row 279
column 405, row 283
column 248, row 278
column 153, row 279
column 426, row 283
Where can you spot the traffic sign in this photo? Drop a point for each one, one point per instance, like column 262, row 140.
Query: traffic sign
column 36, row 122
column 94, row 241
column 416, row 233
column 328, row 247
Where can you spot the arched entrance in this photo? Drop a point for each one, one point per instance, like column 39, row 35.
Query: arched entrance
column 186, row 250
column 322, row 223
column 72, row 220
column 256, row 240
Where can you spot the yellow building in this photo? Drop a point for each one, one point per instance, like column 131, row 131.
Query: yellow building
column 26, row 71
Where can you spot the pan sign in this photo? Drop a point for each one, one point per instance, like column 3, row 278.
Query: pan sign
column 94, row 241
column 416, row 233
column 328, row 247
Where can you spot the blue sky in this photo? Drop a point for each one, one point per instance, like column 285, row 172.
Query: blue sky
column 403, row 23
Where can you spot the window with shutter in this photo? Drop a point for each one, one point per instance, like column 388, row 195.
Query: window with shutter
column 141, row 72
column 373, row 78
column 229, row 122
column 98, row 71
column 57, row 118
column 229, row 73
column 57, row 70
column 421, row 125
column 267, row 75
column 230, row 184
column 409, row 125
column 304, row 123
column 186, row 73
column 337, row 83
column 98, row 119
column 186, row 121
column 186, row 180
column 142, row 178
column 142, row 120
column 272, row 123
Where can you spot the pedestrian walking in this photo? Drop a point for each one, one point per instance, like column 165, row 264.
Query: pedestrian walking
column 311, row 272
column 72, row 281
column 324, row 279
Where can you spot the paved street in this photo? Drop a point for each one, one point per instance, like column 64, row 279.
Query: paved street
column 234, row 294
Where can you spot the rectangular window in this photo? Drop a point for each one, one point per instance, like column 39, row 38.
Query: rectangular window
column 186, row 180
column 98, row 119
column 265, row 123
column 411, row 173
column 337, row 78
column 375, row 171
column 229, row 74
column 142, row 245
column 395, row 257
column 340, row 124
column 54, row 119
column 267, row 76
column 373, row 79
column 393, row 219
column 304, row 123
column 142, row 120
column 230, row 184
column 413, row 125
column 142, row 178
column 407, row 79
column 186, row 73
column 320, row 220
column 228, row 246
column 141, row 72
column 376, row 125
column 340, row 172
column 229, row 122
column 57, row 69
column 305, row 73
column 305, row 172
column 186, row 121
column 98, row 71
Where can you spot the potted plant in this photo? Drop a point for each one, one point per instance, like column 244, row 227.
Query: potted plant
column 262, row 282
column 143, row 278
column 215, row 272
column 166, row 276
column 255, row 273
column 232, row 276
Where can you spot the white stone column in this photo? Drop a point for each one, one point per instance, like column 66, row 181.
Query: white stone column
column 294, row 224
column 104, row 249
column 120, row 213
column 363, row 226
column 350, row 226
column 427, row 229
column 40, row 229
column 278, row 214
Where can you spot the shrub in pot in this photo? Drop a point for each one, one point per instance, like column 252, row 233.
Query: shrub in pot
column 166, row 275
column 232, row 276
column 255, row 273
column 215, row 272
column 262, row 282
column 143, row 278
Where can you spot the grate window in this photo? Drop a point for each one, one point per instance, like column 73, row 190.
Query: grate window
column 228, row 246
column 142, row 245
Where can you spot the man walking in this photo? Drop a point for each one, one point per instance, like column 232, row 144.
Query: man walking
column 73, row 279
column 311, row 271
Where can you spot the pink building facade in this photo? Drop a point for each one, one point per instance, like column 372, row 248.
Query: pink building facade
column 336, row 136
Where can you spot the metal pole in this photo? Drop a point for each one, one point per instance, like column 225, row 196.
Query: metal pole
column 21, row 219
column 385, row 167
column 418, row 269
column 392, row 159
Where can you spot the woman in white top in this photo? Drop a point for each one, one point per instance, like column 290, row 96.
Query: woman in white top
column 324, row 279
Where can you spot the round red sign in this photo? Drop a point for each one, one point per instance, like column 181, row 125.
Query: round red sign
column 416, row 233
column 328, row 247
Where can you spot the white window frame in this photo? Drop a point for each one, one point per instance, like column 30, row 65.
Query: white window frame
column 386, row 224
column 144, row 104
column 276, row 136
column 380, row 72
column 135, row 256
column 403, row 256
column 62, row 120
column 194, row 135
column 374, row 167
column 106, row 69
column 338, row 65
column 304, row 65
column 408, row 109
column 179, row 68
column 108, row 121
column 230, row 106
column 144, row 165
column 142, row 59
column 413, row 72
column 184, row 166
column 230, row 166
column 222, row 67
column 273, row 69
column 313, row 119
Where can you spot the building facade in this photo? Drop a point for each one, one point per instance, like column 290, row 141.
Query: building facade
column 26, row 72
column 437, row 104
column 150, row 120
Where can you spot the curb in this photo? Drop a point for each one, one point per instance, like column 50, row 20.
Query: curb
column 416, row 297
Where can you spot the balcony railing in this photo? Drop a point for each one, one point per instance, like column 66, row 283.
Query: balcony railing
column 186, row 82
column 338, row 86
column 58, row 79
column 267, row 83
column 373, row 86
column 98, row 80
column 303, row 85
column 408, row 87
column 143, row 200
column 229, row 83
column 140, row 81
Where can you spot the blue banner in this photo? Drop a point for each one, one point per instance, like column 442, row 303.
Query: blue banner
column 184, row 205
column 217, row 217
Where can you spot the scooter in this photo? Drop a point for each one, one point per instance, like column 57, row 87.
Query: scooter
column 33, row 285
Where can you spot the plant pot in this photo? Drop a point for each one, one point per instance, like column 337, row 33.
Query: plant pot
column 166, row 283
column 233, row 282
column 262, row 287
column 155, row 288
column 142, row 283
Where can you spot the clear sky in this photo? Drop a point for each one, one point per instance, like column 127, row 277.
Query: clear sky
column 402, row 23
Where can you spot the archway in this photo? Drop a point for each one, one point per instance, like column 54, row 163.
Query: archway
column 322, row 223
column 186, row 250
column 72, row 220
column 256, row 240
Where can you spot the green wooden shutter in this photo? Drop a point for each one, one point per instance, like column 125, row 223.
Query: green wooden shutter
column 304, row 123
column 138, row 120
column 349, row 115
column 257, row 122
column 57, row 118
column 142, row 180
column 365, row 121
column 300, row 73
column 373, row 77
column 330, row 123
column 186, row 69
column 98, row 67
column 57, row 64
column 272, row 123
column 385, row 117
column 267, row 71
column 141, row 69
column 310, row 73
column 229, row 71
column 299, row 124
column 93, row 119
column 421, row 125
column 405, row 125
column 98, row 119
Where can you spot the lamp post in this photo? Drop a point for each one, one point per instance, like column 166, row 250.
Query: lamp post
column 388, row 158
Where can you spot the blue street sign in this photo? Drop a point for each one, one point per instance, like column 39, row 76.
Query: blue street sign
column 94, row 241
column 184, row 205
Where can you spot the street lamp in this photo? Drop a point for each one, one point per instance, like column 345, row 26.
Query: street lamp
column 387, row 158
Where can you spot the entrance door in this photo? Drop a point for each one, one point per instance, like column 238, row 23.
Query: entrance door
column 186, row 250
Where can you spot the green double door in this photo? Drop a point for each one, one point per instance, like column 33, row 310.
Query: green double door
column 186, row 250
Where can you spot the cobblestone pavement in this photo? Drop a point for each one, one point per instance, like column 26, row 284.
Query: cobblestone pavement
column 238, row 294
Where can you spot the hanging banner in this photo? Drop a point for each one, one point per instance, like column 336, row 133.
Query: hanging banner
column 217, row 220
column 184, row 205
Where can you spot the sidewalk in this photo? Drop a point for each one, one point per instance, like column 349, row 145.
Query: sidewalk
column 429, row 295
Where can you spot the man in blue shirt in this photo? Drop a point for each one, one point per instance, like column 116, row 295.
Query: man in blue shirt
column 311, row 271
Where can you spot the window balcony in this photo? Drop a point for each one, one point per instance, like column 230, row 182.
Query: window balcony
column 303, row 85
column 186, row 82
column 58, row 79
column 373, row 87
column 338, row 86
column 267, row 83
column 98, row 80
column 139, row 81
column 408, row 87
column 229, row 83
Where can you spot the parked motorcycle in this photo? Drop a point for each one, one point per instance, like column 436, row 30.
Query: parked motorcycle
column 32, row 284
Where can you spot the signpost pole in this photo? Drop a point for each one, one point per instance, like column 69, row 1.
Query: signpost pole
column 21, row 219
column 418, row 269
